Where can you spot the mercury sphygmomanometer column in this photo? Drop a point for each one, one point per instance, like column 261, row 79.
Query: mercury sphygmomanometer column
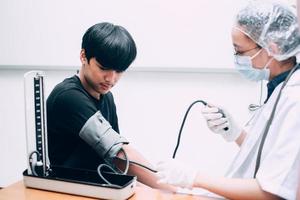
column 36, row 126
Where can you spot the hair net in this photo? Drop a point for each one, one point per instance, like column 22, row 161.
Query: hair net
column 271, row 24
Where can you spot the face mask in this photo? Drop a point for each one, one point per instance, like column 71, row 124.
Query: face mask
column 244, row 65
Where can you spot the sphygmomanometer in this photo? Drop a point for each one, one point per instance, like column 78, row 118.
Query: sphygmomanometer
column 97, row 132
column 105, row 184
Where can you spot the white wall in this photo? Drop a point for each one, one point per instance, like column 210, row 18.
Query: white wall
column 151, row 106
column 49, row 32
column 190, row 38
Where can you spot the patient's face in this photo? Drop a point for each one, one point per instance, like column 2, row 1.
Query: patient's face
column 101, row 79
column 96, row 79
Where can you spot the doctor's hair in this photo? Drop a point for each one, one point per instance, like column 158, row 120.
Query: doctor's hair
column 111, row 45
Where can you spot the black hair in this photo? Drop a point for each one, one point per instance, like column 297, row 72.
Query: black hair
column 111, row 45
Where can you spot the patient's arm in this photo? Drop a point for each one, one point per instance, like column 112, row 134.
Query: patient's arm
column 145, row 176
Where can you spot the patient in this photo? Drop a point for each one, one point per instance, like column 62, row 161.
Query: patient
column 76, row 105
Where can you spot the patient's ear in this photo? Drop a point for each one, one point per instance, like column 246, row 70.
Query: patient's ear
column 82, row 56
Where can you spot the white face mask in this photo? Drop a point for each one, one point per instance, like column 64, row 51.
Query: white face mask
column 244, row 65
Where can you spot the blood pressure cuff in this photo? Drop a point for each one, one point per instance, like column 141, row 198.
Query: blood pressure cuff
column 98, row 133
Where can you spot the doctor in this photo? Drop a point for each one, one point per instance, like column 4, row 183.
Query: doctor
column 266, row 39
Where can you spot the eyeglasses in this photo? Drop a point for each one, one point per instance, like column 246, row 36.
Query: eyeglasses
column 243, row 52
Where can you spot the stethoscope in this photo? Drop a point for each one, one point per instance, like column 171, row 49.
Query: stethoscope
column 269, row 122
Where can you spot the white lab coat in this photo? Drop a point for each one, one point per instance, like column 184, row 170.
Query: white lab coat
column 280, row 159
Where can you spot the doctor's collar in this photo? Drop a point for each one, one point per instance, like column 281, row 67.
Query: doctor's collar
column 272, row 84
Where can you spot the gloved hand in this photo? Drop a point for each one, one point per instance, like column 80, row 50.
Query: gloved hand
column 218, row 121
column 175, row 173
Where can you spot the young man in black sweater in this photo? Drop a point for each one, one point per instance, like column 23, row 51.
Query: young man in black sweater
column 74, row 105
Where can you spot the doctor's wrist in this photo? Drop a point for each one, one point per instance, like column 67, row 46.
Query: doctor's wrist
column 239, row 141
column 201, row 180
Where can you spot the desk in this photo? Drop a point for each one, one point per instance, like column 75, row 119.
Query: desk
column 18, row 191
